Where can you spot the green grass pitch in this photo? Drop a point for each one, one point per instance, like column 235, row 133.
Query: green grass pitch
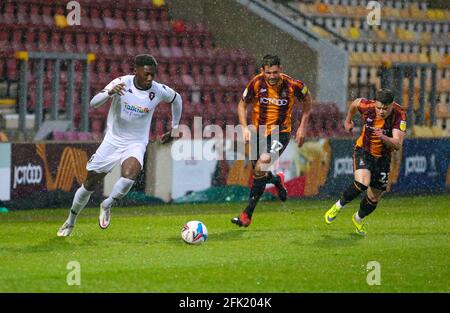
column 288, row 248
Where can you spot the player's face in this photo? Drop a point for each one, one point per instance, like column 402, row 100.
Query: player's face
column 145, row 75
column 383, row 110
column 272, row 74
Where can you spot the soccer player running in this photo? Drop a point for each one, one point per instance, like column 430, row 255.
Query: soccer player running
column 383, row 132
column 272, row 95
column 134, row 99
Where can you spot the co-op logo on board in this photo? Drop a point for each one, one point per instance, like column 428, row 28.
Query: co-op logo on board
column 29, row 174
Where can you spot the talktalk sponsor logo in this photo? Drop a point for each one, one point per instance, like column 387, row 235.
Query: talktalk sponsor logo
column 415, row 165
column 278, row 102
column 137, row 109
column 343, row 166
column 27, row 175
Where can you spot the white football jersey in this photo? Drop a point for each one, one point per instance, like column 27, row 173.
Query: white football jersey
column 130, row 115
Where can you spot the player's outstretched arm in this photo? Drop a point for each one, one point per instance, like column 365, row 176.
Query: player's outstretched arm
column 306, row 110
column 103, row 96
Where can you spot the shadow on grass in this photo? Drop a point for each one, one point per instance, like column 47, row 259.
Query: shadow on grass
column 327, row 241
column 216, row 237
column 55, row 244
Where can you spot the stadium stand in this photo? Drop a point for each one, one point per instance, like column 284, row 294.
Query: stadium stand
column 410, row 32
column 184, row 50
column 211, row 78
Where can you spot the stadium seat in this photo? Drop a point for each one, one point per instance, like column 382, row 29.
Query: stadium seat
column 117, row 47
column 55, row 42
column 84, row 136
column 176, row 51
column 96, row 21
column 58, row 135
column 188, row 52
column 8, row 15
column 131, row 20
column 17, row 40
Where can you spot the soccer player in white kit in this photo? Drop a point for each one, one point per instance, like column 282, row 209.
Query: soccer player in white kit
column 134, row 99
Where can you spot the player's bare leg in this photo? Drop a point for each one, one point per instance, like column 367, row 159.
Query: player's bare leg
column 81, row 198
column 130, row 170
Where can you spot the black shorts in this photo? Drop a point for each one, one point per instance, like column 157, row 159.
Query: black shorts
column 272, row 144
column 378, row 167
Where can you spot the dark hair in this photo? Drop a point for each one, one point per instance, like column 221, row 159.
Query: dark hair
column 145, row 59
column 384, row 95
column 270, row 60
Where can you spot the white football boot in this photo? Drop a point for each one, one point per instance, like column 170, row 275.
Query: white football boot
column 65, row 230
column 104, row 217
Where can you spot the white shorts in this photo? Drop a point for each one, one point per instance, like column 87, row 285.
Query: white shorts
column 108, row 155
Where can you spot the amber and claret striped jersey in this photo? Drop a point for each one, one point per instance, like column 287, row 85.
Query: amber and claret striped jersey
column 272, row 105
column 367, row 140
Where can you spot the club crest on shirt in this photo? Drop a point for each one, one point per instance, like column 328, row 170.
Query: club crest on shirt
column 151, row 95
column 402, row 126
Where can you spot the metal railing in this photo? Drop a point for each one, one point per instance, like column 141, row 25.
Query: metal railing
column 40, row 57
column 393, row 75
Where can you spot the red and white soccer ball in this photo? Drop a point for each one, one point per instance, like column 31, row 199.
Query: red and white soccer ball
column 194, row 232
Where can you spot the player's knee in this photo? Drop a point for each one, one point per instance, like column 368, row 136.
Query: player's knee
column 373, row 198
column 362, row 186
column 90, row 184
column 264, row 158
column 130, row 174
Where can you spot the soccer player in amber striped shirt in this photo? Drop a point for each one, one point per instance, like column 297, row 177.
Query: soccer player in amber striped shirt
column 383, row 132
column 272, row 95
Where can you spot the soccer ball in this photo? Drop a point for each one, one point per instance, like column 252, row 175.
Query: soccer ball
column 194, row 232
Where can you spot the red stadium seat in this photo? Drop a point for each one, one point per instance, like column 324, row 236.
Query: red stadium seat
column 84, row 136
column 23, row 16
column 55, row 42
column 129, row 45
column 120, row 19
column 93, row 44
column 8, row 16
column 35, row 17
column 17, row 43
column 80, row 43
column 12, row 68
column 47, row 17
column 131, row 20
column 68, row 42
column 4, row 42
column 142, row 22
column 59, row 135
column 30, row 41
column 117, row 45
column 152, row 46
column 105, row 48
column 176, row 51
column 188, row 52
column 96, row 21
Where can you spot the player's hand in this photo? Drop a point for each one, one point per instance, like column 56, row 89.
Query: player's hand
column 169, row 136
column 379, row 133
column 247, row 134
column 118, row 89
column 300, row 136
column 349, row 126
